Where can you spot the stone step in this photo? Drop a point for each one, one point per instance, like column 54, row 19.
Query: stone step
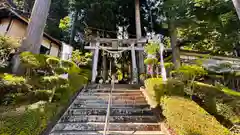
column 113, row 91
column 94, row 126
column 109, row 133
column 107, row 94
column 121, row 86
column 112, row 119
column 114, row 97
column 113, row 112
column 123, row 106
column 104, row 102
column 129, row 114
column 101, row 99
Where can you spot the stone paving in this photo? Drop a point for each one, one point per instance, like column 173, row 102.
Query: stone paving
column 129, row 114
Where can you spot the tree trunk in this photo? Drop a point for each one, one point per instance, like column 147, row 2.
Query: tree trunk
column 236, row 4
column 175, row 48
column 139, row 35
column 138, row 19
column 35, row 29
column 73, row 29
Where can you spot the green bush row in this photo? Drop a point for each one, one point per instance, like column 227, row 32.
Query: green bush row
column 219, row 100
column 156, row 88
column 216, row 100
column 188, row 118
column 35, row 83
column 33, row 122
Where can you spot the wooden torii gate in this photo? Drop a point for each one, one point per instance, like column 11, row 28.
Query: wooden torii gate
column 113, row 45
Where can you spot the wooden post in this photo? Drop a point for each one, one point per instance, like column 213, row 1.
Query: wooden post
column 105, row 69
column 236, row 4
column 134, row 65
column 95, row 63
column 35, row 29
column 139, row 35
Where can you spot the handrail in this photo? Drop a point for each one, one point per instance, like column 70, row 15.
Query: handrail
column 106, row 126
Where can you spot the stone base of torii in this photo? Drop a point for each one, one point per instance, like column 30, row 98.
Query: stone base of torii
column 113, row 46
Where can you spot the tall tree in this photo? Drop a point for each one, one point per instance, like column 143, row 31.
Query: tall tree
column 236, row 4
column 58, row 10
column 139, row 35
column 33, row 37
column 176, row 15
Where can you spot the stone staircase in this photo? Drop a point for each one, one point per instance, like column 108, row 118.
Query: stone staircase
column 129, row 114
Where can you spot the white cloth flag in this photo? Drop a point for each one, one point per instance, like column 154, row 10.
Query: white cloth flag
column 163, row 69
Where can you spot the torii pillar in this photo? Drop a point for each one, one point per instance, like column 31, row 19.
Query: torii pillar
column 95, row 62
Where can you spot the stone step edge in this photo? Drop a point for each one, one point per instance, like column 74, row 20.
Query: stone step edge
column 103, row 123
column 127, row 90
column 110, row 132
column 106, row 96
column 110, row 116
column 105, row 107
column 113, row 109
column 113, row 104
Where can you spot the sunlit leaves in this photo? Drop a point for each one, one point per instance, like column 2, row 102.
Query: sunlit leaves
column 65, row 23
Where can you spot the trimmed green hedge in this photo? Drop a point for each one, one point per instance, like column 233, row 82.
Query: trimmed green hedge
column 219, row 101
column 185, row 117
column 157, row 88
column 33, row 122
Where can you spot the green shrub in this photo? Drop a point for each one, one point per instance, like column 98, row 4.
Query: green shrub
column 151, row 48
column 202, row 89
column 189, row 72
column 7, row 47
column 81, row 59
column 12, row 84
column 53, row 62
column 219, row 100
column 13, row 89
column 230, row 92
column 53, row 82
column 67, row 64
column 228, row 112
column 169, row 66
column 185, row 117
column 157, row 88
column 150, row 61
column 34, row 62
column 76, row 81
column 15, row 98
column 42, row 95
column 208, row 94
column 32, row 122
column 60, row 70
column 29, row 60
column 12, row 80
